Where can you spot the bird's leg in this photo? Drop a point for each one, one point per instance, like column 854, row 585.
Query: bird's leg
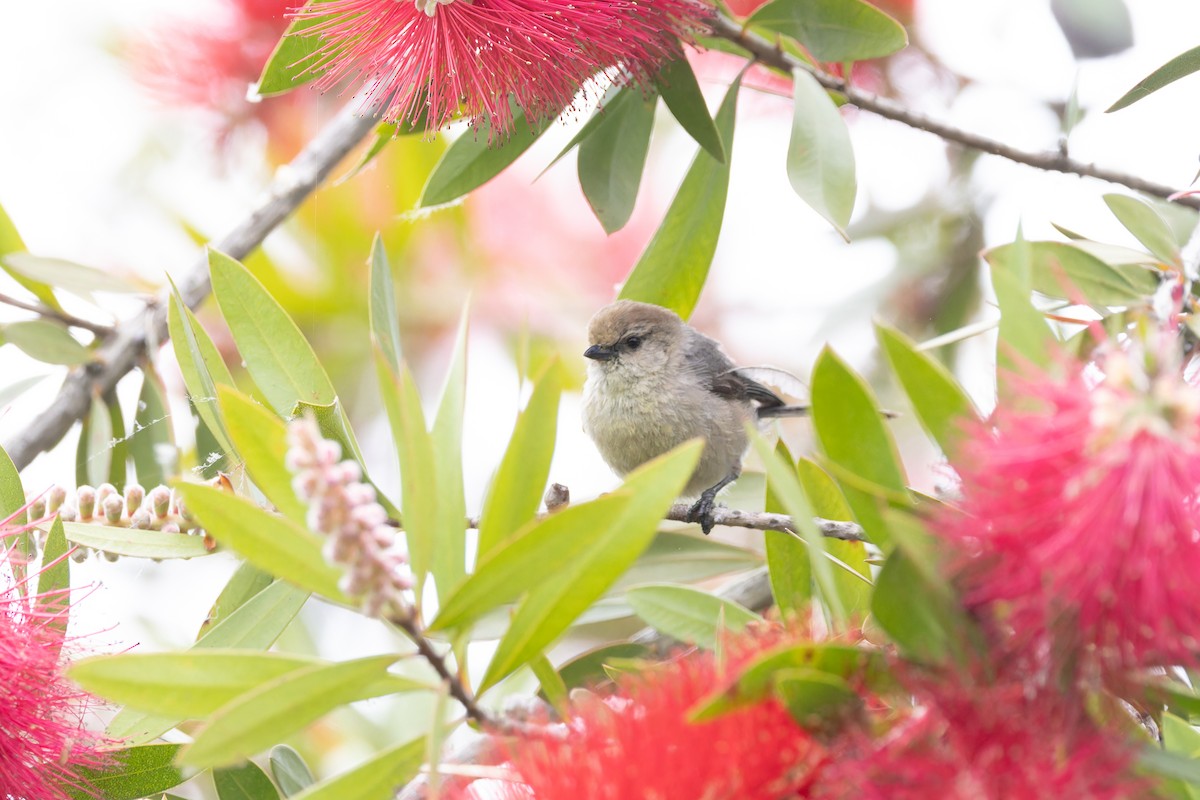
column 702, row 510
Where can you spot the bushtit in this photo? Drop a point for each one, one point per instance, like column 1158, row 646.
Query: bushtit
column 654, row 382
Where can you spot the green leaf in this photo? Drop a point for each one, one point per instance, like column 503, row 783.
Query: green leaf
column 815, row 699
column 1062, row 270
column 11, row 242
column 12, row 501
column 1094, row 28
column 833, row 30
column 384, row 319
column 414, row 446
column 201, row 366
column 554, row 603
column 92, row 455
column 827, row 500
column 152, row 441
column 45, row 341
column 18, row 387
column 376, row 778
column 135, row 772
column 942, row 405
column 136, row 543
column 54, row 583
column 1181, row 739
column 280, row 707
column 677, row 84
column 854, row 436
column 289, row 770
column 188, row 684
column 1169, row 765
column 1023, row 330
column 820, row 157
column 75, row 278
column 588, row 668
column 785, row 485
column 612, row 158
column 245, row 582
column 335, row 425
column 687, row 614
column 118, row 445
column 450, row 549
column 674, row 266
column 551, row 685
column 256, row 624
column 675, row 557
column 516, row 491
column 1181, row 65
column 244, row 782
column 261, row 440
column 296, row 59
column 277, row 356
column 270, row 542
column 1146, row 225
column 474, row 159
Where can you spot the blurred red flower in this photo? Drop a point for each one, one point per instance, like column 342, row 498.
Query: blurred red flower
column 430, row 61
column 1082, row 501
column 43, row 740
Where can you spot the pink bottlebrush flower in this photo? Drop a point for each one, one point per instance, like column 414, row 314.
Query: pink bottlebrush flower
column 965, row 741
column 639, row 743
column 435, row 60
column 43, row 739
column 1081, row 500
column 344, row 508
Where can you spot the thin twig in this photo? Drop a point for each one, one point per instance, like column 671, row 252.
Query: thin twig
column 770, row 54
column 129, row 342
column 60, row 316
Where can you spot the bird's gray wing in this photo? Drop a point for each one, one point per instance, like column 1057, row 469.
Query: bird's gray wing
column 703, row 357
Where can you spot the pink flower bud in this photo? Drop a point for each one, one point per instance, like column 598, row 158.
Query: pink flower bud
column 112, row 506
column 134, row 495
column 85, row 496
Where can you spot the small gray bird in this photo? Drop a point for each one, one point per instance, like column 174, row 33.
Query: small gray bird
column 655, row 382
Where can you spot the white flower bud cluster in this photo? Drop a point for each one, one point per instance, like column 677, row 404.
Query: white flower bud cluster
column 345, row 509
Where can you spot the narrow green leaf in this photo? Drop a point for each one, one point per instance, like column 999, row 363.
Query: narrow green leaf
column 611, row 95
column 377, row 778
column 277, row 356
column 245, row 582
column 1146, row 225
column 54, row 584
column 689, row 615
column 516, row 491
column 680, row 90
column 1169, row 765
column 450, row 549
column 289, row 770
column 853, row 435
column 674, row 266
column 612, row 159
column 260, row 437
column 785, row 485
column 588, row 668
column 833, row 30
column 282, row 706
column 1178, row 67
column 135, row 772
column 820, row 157
column 384, row 319
column 827, row 500
column 45, row 341
column 942, row 405
column 77, row 279
column 817, row 700
column 552, row 686
column 18, row 387
column 244, row 782
column 789, row 565
column 11, row 242
column 1058, row 269
column 12, row 498
column 201, row 366
column 417, row 477
column 270, row 542
column 136, row 543
column 557, row 601
column 118, row 444
column 188, row 684
column 296, row 59
column 152, row 441
column 474, row 159
column 1023, row 330
column 255, row 624
column 91, row 457
column 676, row 557
column 334, row 424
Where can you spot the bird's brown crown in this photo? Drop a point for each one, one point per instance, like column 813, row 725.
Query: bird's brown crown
column 619, row 319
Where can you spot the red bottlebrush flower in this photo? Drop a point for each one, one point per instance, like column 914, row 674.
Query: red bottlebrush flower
column 1082, row 512
column 638, row 743
column 992, row 742
column 437, row 59
column 43, row 741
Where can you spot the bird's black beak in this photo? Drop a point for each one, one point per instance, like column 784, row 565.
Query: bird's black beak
column 599, row 352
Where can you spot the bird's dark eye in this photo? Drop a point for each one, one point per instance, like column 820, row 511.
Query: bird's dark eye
column 633, row 342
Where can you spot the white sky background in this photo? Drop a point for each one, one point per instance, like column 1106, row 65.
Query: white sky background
column 76, row 181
